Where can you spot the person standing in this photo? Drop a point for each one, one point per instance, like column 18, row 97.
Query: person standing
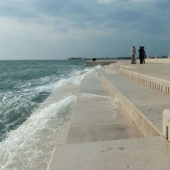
column 144, row 54
column 133, row 53
column 141, row 54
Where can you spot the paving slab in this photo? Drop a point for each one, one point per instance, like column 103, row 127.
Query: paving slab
column 151, row 68
column 134, row 154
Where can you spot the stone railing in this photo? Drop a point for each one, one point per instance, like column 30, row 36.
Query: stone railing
column 166, row 124
column 156, row 83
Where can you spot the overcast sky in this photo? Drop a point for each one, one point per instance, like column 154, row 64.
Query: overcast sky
column 60, row 29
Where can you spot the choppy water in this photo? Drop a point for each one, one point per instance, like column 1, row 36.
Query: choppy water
column 27, row 138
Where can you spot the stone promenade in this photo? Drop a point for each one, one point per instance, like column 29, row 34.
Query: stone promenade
column 117, row 121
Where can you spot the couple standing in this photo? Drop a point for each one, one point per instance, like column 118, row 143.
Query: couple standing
column 142, row 55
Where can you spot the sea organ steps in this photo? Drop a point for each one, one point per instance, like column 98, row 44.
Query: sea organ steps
column 94, row 119
column 144, row 105
column 134, row 153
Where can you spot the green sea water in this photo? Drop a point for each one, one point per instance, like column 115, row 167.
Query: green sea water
column 24, row 85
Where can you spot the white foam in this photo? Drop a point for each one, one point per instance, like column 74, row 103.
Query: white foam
column 99, row 66
column 111, row 101
column 90, row 95
column 29, row 147
column 52, row 86
column 76, row 80
column 92, row 69
column 88, row 71
column 77, row 76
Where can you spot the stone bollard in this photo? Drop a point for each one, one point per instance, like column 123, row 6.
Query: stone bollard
column 166, row 124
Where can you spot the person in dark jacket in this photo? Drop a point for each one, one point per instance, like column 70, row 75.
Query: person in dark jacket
column 144, row 54
column 141, row 56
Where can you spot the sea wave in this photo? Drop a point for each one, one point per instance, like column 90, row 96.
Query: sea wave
column 29, row 147
column 18, row 103
column 29, row 134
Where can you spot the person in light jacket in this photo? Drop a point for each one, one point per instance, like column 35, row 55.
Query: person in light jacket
column 133, row 53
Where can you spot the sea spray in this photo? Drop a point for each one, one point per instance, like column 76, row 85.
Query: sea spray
column 28, row 136
column 106, row 101
column 24, row 85
column 29, row 147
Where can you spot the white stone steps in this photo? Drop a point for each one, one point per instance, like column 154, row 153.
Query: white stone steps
column 134, row 154
column 144, row 105
column 97, row 116
column 153, row 75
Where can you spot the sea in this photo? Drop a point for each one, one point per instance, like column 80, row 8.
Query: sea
column 28, row 135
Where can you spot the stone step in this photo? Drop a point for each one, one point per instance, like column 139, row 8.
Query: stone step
column 95, row 136
column 144, row 105
column 112, row 69
column 134, row 154
column 91, row 84
column 97, row 116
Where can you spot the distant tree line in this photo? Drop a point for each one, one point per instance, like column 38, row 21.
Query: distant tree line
column 101, row 58
column 108, row 58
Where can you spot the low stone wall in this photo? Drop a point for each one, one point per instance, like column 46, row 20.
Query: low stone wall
column 158, row 60
column 99, row 62
column 158, row 84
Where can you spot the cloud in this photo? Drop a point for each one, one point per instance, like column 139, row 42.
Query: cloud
column 18, row 10
column 164, row 4
column 104, row 1
column 61, row 30
column 14, row 12
column 83, row 27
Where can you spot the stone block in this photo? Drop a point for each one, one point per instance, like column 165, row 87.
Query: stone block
column 166, row 124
